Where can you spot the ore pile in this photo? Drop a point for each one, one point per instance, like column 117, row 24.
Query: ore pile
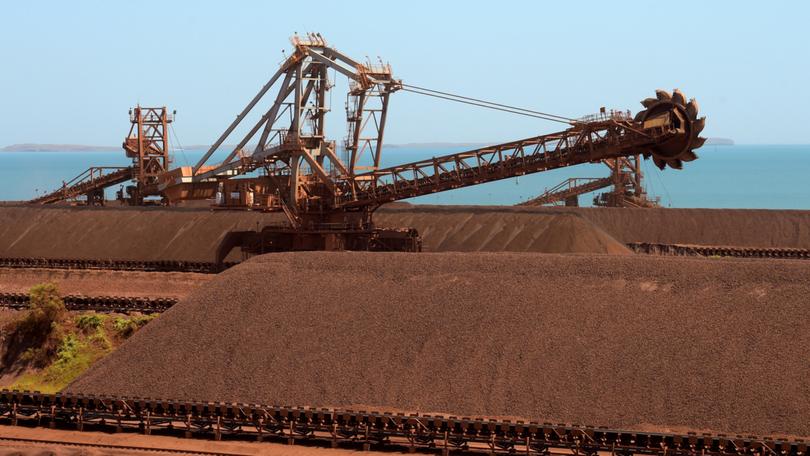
column 546, row 233
column 619, row 341
column 194, row 234
column 731, row 227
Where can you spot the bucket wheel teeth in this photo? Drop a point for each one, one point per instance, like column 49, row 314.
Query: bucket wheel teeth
column 698, row 126
column 663, row 95
column 692, row 108
column 678, row 98
column 647, row 102
column 679, row 148
column 689, row 156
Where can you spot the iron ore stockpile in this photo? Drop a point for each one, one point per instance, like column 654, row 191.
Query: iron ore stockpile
column 448, row 227
column 194, row 234
column 619, row 341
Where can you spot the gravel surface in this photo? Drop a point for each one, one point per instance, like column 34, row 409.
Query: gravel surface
column 620, row 341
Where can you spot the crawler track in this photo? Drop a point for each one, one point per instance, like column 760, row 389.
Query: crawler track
column 116, row 265
column 120, row 304
column 721, row 251
column 218, row 420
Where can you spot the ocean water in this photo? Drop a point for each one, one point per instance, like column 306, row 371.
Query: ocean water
column 740, row 176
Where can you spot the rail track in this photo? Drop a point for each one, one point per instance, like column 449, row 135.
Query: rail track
column 120, row 304
column 116, row 265
column 378, row 430
column 718, row 251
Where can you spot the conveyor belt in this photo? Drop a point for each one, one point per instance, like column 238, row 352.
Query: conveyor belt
column 718, row 251
column 120, row 304
column 371, row 430
column 119, row 265
column 94, row 179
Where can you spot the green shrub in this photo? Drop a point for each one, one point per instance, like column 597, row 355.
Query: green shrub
column 73, row 356
column 86, row 322
column 34, row 337
column 45, row 309
column 125, row 327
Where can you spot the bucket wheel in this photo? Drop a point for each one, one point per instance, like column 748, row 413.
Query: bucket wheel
column 680, row 148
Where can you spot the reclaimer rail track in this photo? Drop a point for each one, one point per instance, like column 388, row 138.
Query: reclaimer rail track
column 371, row 429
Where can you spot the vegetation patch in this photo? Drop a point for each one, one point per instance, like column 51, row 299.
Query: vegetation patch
column 53, row 348
column 126, row 326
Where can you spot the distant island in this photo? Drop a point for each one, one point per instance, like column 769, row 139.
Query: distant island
column 719, row 142
column 58, row 148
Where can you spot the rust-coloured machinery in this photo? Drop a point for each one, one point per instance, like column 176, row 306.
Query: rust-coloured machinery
column 146, row 144
column 625, row 179
column 286, row 163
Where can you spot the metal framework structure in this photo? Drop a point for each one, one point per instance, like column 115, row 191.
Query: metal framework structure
column 285, row 162
column 569, row 190
column 625, row 178
column 290, row 146
column 147, row 144
column 369, row 429
column 89, row 184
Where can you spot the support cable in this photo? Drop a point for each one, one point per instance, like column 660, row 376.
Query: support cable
column 486, row 104
column 180, row 146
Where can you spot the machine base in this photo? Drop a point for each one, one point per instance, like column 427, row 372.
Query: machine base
column 286, row 239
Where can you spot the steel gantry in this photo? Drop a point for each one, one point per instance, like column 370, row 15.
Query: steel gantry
column 285, row 162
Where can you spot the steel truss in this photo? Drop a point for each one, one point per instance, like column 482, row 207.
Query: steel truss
column 147, row 144
column 583, row 143
column 301, row 164
column 90, row 184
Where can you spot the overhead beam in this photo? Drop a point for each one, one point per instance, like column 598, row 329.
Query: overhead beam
column 319, row 171
column 350, row 73
column 283, row 93
column 327, row 150
column 248, row 108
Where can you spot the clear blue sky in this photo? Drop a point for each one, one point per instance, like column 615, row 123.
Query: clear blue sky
column 71, row 70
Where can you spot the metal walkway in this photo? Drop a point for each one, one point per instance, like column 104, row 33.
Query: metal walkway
column 93, row 180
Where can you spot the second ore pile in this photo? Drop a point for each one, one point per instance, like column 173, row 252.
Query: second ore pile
column 619, row 341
